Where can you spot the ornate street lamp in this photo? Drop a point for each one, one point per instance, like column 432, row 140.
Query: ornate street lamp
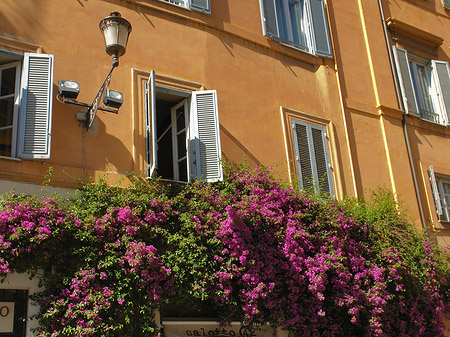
column 115, row 31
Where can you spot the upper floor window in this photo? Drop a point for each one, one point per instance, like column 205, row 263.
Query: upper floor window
column 425, row 86
column 203, row 6
column 441, row 193
column 25, row 104
column 312, row 157
column 299, row 23
column 183, row 138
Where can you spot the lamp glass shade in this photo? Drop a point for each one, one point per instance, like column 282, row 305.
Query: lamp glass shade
column 115, row 31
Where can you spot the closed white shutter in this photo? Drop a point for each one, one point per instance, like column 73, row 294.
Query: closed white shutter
column 441, row 76
column 434, row 188
column 313, row 161
column 303, row 156
column 205, row 137
column 269, row 18
column 201, row 5
column 406, row 84
column 322, row 160
column 321, row 36
column 446, row 4
column 35, row 117
column 150, row 125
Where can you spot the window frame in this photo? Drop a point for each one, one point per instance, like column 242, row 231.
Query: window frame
column 315, row 25
column 422, row 84
column 15, row 117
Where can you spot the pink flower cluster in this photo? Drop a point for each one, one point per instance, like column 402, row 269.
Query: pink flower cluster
column 247, row 247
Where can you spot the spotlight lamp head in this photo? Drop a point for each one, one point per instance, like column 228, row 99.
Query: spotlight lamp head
column 115, row 31
column 113, row 98
column 68, row 89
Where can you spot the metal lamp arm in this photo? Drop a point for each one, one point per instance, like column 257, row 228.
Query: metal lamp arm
column 92, row 110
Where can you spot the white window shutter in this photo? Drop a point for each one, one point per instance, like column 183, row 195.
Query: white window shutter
column 303, row 155
column 269, row 18
column 35, row 117
column 150, row 125
column 434, row 188
column 203, row 6
column 406, row 84
column 446, row 4
column 205, row 137
column 441, row 75
column 322, row 160
column 313, row 161
column 320, row 32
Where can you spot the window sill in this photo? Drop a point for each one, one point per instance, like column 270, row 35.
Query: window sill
column 294, row 46
column 173, row 4
column 296, row 53
column 10, row 158
column 417, row 121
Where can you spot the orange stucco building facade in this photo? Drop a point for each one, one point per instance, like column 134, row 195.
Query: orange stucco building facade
column 345, row 96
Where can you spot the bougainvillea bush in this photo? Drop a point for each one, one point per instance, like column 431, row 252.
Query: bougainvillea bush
column 248, row 249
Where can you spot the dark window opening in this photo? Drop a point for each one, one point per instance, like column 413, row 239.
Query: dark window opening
column 20, row 300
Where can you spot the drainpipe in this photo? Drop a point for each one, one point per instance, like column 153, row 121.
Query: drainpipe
column 404, row 124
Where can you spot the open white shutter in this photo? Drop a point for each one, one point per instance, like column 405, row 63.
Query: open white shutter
column 35, row 117
column 441, row 76
column 405, row 79
column 269, row 18
column 434, row 188
column 150, row 125
column 205, row 137
column 203, row 6
column 320, row 32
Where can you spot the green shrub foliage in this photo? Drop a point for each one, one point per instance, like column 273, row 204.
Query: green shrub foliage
column 246, row 249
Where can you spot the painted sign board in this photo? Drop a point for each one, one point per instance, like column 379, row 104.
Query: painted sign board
column 7, row 317
column 212, row 329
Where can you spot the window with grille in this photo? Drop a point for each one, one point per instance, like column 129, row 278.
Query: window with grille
column 425, row 86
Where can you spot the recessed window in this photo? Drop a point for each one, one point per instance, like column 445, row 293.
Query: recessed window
column 441, row 192
column 425, row 86
column 299, row 23
column 183, row 139
column 25, row 104
column 312, row 157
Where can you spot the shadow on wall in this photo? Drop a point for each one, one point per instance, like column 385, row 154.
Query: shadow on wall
column 106, row 152
column 235, row 151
